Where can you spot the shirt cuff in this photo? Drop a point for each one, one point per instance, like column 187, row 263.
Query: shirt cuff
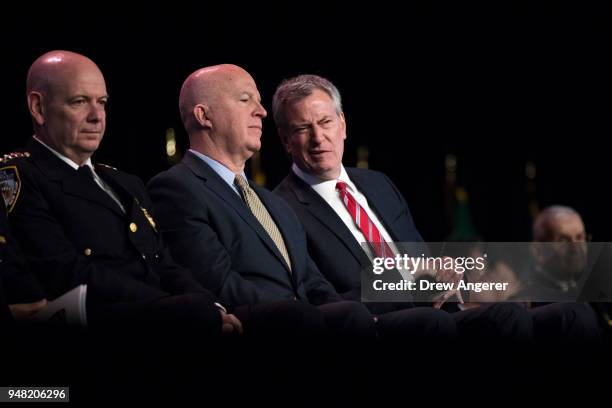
column 220, row 306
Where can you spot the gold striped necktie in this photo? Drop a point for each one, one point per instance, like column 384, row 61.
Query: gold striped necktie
column 263, row 216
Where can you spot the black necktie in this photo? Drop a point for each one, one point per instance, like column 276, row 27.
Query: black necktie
column 87, row 171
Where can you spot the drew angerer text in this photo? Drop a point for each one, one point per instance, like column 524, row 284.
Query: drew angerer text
column 425, row 285
column 430, row 265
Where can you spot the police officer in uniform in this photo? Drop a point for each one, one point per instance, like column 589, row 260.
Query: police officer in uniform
column 85, row 223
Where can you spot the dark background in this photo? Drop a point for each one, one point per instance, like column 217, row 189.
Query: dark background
column 496, row 85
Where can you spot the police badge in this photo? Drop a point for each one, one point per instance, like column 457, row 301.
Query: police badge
column 11, row 186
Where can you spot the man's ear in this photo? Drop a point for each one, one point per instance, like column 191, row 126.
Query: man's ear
column 284, row 140
column 201, row 113
column 343, row 125
column 36, row 106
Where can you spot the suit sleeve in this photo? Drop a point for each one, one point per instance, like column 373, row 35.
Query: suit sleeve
column 318, row 289
column 56, row 262
column 193, row 242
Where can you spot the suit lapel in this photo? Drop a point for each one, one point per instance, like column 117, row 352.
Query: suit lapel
column 72, row 182
column 327, row 216
column 218, row 186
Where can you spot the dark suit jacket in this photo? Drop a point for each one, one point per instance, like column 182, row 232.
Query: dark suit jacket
column 72, row 233
column 211, row 231
column 330, row 243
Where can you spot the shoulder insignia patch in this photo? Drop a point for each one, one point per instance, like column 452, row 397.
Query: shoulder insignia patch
column 10, row 183
column 10, row 156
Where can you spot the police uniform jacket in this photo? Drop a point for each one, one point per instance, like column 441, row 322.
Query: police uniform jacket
column 72, row 232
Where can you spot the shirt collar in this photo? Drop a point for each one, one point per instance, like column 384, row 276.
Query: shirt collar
column 62, row 157
column 226, row 174
column 320, row 184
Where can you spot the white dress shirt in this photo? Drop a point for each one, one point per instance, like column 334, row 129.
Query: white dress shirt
column 327, row 190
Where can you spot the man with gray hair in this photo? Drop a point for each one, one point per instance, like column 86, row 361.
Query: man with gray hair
column 557, row 274
column 560, row 266
column 354, row 215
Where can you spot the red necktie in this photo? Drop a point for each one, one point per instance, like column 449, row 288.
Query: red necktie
column 365, row 224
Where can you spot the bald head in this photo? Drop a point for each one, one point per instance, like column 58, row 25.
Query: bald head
column 558, row 222
column 205, row 86
column 52, row 69
column 222, row 113
column 66, row 95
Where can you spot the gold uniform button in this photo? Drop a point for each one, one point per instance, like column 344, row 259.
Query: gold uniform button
column 133, row 227
column 87, row 251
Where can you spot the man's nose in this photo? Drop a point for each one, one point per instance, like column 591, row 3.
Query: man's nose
column 260, row 111
column 96, row 113
column 318, row 134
